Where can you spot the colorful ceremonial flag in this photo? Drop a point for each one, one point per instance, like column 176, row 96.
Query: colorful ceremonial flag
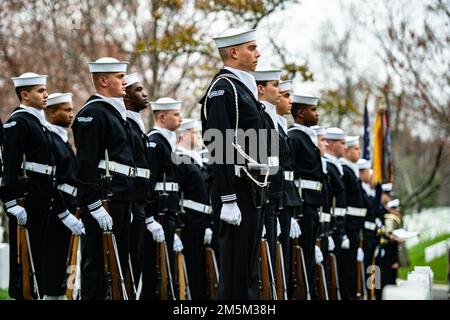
column 382, row 156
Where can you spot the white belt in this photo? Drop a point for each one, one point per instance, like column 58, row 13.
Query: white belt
column 125, row 170
column 340, row 212
column 310, row 184
column 197, row 206
column 67, row 188
column 289, row 175
column 169, row 186
column 39, row 168
column 325, row 217
column 356, row 212
column 370, row 225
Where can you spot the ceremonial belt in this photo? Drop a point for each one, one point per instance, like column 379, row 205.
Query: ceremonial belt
column 325, row 217
column 356, row 212
column 131, row 172
column 197, row 206
column 309, row 184
column 340, row 212
column 39, row 168
column 370, row 225
column 168, row 186
column 289, row 175
column 67, row 188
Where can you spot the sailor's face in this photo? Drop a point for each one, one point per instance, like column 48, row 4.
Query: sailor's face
column 37, row 97
column 64, row 115
column 353, row 153
column 338, row 147
column 247, row 55
column 322, row 144
column 172, row 120
column 311, row 115
column 285, row 104
column 116, row 84
column 138, row 96
column 272, row 92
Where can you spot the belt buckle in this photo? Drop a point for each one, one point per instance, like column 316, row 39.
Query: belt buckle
column 132, row 172
column 318, row 186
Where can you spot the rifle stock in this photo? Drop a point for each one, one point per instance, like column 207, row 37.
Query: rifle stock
column 212, row 272
column 321, row 280
column 360, row 279
column 269, row 290
column 298, row 270
column 181, row 278
column 113, row 272
column 71, row 263
column 334, row 290
column 280, row 277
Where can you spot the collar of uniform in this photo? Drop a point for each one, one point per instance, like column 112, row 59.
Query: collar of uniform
column 117, row 103
column 195, row 155
column 136, row 116
column 246, row 78
column 39, row 114
column 272, row 112
column 310, row 132
column 366, row 187
column 282, row 121
column 170, row 136
column 332, row 159
column 60, row 131
column 324, row 165
column 351, row 165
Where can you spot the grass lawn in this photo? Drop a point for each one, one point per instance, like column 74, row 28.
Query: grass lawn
column 417, row 258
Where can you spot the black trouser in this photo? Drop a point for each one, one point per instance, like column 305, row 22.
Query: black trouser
column 309, row 224
column 285, row 223
column 192, row 237
column 93, row 284
column 270, row 222
column 348, row 287
column 149, row 272
column 239, row 248
column 137, row 230
column 38, row 211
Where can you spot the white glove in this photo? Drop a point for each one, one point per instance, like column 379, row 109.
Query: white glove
column 104, row 219
column 345, row 243
column 231, row 214
column 156, row 229
column 20, row 213
column 378, row 222
column 295, row 229
column 319, row 255
column 263, row 233
column 360, row 255
column 278, row 228
column 70, row 221
column 208, row 236
column 177, row 244
column 331, row 244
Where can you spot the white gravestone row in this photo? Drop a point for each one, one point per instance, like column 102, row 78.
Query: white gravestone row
column 418, row 286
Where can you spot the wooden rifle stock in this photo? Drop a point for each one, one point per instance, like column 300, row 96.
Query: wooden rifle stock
column 298, row 270
column 360, row 277
column 269, row 290
column 184, row 293
column 334, row 291
column 280, row 276
column 164, row 273
column 71, row 263
column 130, row 284
column 114, row 279
column 212, row 272
column 321, row 280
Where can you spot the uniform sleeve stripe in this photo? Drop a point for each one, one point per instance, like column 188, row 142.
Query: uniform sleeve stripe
column 228, row 197
column 11, row 203
column 94, row 206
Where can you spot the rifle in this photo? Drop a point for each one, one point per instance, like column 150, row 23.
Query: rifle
column 280, row 276
column 27, row 281
column 321, row 280
column 115, row 282
column 212, row 272
column 181, row 277
column 360, row 276
column 163, row 270
column 71, row 264
column 298, row 270
column 269, row 290
column 335, row 293
column 129, row 281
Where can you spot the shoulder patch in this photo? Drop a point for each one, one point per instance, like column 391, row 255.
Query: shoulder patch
column 151, row 144
column 9, row 125
column 216, row 93
column 84, row 119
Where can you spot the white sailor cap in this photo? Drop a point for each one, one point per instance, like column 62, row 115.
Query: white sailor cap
column 386, row 187
column 165, row 103
column 363, row 164
column 29, row 79
column 267, row 75
column 232, row 37
column 107, row 64
column 352, row 141
column 187, row 124
column 286, row 85
column 305, row 99
column 393, row 203
column 335, row 134
column 319, row 130
column 132, row 79
column 58, row 97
